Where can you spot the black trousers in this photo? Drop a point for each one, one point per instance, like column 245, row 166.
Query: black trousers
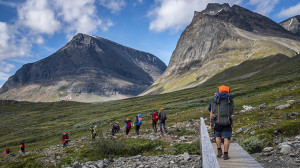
column 154, row 124
column 137, row 128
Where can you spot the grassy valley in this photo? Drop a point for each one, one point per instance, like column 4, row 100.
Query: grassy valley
column 275, row 82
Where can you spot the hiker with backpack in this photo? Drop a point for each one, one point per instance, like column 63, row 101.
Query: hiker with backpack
column 94, row 131
column 114, row 129
column 22, row 146
column 127, row 126
column 138, row 122
column 154, row 121
column 221, row 115
column 7, row 151
column 65, row 139
column 162, row 116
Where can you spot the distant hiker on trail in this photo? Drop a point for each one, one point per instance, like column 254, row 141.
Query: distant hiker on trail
column 222, row 115
column 127, row 126
column 162, row 116
column 7, row 151
column 114, row 129
column 94, row 131
column 65, row 139
column 22, row 146
column 154, row 121
column 138, row 122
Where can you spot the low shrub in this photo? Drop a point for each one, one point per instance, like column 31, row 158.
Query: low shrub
column 180, row 148
column 109, row 148
column 183, row 132
column 29, row 163
column 289, row 128
column 252, row 144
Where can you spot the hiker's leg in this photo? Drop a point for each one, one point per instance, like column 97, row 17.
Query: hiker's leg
column 226, row 144
column 218, row 142
column 155, row 126
column 226, row 133
column 160, row 123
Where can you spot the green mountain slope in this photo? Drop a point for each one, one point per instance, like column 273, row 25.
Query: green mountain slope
column 275, row 82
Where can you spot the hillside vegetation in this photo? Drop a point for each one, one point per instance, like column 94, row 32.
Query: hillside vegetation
column 275, row 82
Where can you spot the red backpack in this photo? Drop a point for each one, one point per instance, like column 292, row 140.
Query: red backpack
column 155, row 116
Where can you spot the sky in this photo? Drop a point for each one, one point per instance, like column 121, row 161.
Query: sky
column 31, row 30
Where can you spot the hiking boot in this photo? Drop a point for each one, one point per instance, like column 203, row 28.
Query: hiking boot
column 219, row 153
column 225, row 157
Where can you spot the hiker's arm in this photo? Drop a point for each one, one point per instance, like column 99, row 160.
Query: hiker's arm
column 210, row 118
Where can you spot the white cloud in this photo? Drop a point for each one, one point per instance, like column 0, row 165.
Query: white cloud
column 176, row 14
column 10, row 45
column 9, row 4
column 5, row 67
column 4, row 76
column 80, row 16
column 292, row 11
column 114, row 5
column 38, row 16
column 264, row 7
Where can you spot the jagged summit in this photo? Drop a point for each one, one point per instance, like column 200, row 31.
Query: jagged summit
column 214, row 8
column 88, row 68
column 245, row 19
column 292, row 24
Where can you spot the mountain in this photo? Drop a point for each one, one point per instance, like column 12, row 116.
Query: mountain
column 292, row 24
column 218, row 38
column 88, row 68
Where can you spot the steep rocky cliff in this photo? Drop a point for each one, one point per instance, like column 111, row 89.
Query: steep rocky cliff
column 88, row 68
column 292, row 24
column 218, row 38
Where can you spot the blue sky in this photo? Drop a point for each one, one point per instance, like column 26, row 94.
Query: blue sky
column 34, row 29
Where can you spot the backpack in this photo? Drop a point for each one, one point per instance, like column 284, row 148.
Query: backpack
column 163, row 115
column 127, row 125
column 116, row 126
column 222, row 106
column 138, row 120
column 154, row 117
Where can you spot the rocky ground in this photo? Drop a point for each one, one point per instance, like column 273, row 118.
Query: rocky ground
column 286, row 154
column 184, row 160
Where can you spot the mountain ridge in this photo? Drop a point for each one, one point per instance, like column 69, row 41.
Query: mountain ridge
column 213, row 43
column 87, row 66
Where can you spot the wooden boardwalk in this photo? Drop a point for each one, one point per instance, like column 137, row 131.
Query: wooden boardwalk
column 239, row 158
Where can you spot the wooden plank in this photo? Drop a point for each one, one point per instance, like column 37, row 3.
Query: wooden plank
column 238, row 158
column 209, row 159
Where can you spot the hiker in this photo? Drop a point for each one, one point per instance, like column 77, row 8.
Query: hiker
column 22, row 146
column 7, row 151
column 154, row 121
column 92, row 131
column 138, row 122
column 127, row 126
column 65, row 139
column 114, row 129
column 95, row 130
column 222, row 115
column 162, row 116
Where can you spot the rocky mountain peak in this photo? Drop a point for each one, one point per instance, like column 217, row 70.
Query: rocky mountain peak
column 292, row 24
column 88, row 68
column 214, row 8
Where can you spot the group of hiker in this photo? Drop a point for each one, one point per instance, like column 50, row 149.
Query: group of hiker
column 115, row 127
column 22, row 149
column 221, row 121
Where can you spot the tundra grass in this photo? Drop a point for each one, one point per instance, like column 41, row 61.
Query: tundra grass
column 40, row 125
